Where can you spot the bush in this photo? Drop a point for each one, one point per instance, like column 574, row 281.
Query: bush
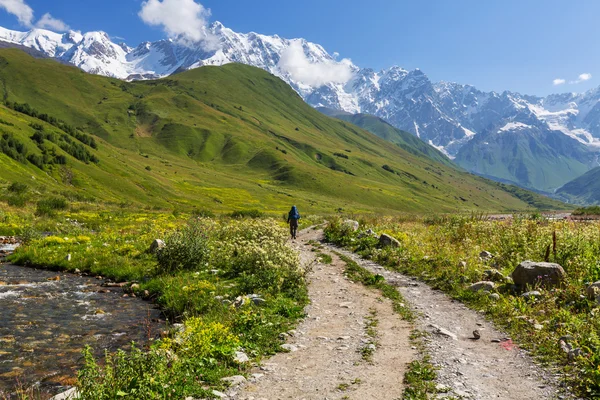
column 47, row 207
column 255, row 252
column 16, row 201
column 203, row 213
column 18, row 187
column 247, row 214
column 185, row 249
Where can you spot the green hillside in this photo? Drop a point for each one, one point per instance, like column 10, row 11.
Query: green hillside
column 584, row 189
column 540, row 159
column 384, row 130
column 222, row 138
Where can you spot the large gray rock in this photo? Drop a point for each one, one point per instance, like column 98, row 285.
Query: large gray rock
column 386, row 240
column 538, row 273
column 156, row 245
column 486, row 286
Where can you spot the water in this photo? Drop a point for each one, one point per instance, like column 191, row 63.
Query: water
column 45, row 322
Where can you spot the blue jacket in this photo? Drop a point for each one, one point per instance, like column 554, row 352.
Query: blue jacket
column 293, row 214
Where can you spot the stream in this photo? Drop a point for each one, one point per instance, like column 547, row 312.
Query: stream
column 47, row 318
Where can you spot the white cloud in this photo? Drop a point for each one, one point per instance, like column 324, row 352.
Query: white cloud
column 559, row 81
column 294, row 62
column 19, row 9
column 585, row 77
column 582, row 78
column 185, row 20
column 49, row 22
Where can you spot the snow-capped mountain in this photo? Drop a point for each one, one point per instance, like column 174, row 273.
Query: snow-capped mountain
column 445, row 115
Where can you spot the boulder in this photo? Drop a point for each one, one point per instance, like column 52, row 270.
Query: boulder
column 156, row 245
column 593, row 291
column 538, row 273
column 351, row 224
column 486, row 286
column 386, row 240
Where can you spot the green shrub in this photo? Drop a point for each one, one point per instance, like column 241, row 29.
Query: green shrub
column 16, row 201
column 47, row 207
column 185, row 249
column 18, row 188
column 247, row 214
column 203, row 213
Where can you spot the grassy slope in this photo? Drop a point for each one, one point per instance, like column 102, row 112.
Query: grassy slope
column 584, row 189
column 384, row 130
column 541, row 161
column 223, row 138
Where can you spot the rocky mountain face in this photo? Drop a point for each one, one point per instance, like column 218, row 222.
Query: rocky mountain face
column 446, row 115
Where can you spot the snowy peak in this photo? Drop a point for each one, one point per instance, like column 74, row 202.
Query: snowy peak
column 445, row 114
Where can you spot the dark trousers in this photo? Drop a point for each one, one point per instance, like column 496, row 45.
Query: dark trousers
column 293, row 227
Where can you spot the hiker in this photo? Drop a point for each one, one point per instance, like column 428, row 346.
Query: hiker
column 293, row 217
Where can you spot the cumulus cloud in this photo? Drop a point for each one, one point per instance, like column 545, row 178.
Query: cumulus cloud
column 185, row 20
column 49, row 22
column 294, row 62
column 19, row 9
column 583, row 78
column 559, row 81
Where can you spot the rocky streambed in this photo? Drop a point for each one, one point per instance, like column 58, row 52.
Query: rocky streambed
column 47, row 318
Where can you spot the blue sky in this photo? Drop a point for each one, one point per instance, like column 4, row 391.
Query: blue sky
column 518, row 45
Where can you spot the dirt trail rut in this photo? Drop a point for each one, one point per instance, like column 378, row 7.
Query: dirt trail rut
column 327, row 361
column 327, row 358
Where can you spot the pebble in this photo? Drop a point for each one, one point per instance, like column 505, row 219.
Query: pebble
column 289, row 347
column 234, row 380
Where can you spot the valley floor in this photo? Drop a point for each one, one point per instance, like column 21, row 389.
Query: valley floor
column 327, row 358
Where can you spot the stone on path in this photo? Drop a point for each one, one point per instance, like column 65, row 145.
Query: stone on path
column 289, row 347
column 234, row 380
column 444, row 332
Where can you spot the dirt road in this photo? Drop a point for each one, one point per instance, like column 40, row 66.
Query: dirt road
column 353, row 346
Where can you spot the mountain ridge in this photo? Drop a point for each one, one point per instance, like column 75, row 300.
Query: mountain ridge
column 443, row 114
column 223, row 138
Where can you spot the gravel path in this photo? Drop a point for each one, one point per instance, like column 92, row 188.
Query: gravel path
column 326, row 361
column 489, row 368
